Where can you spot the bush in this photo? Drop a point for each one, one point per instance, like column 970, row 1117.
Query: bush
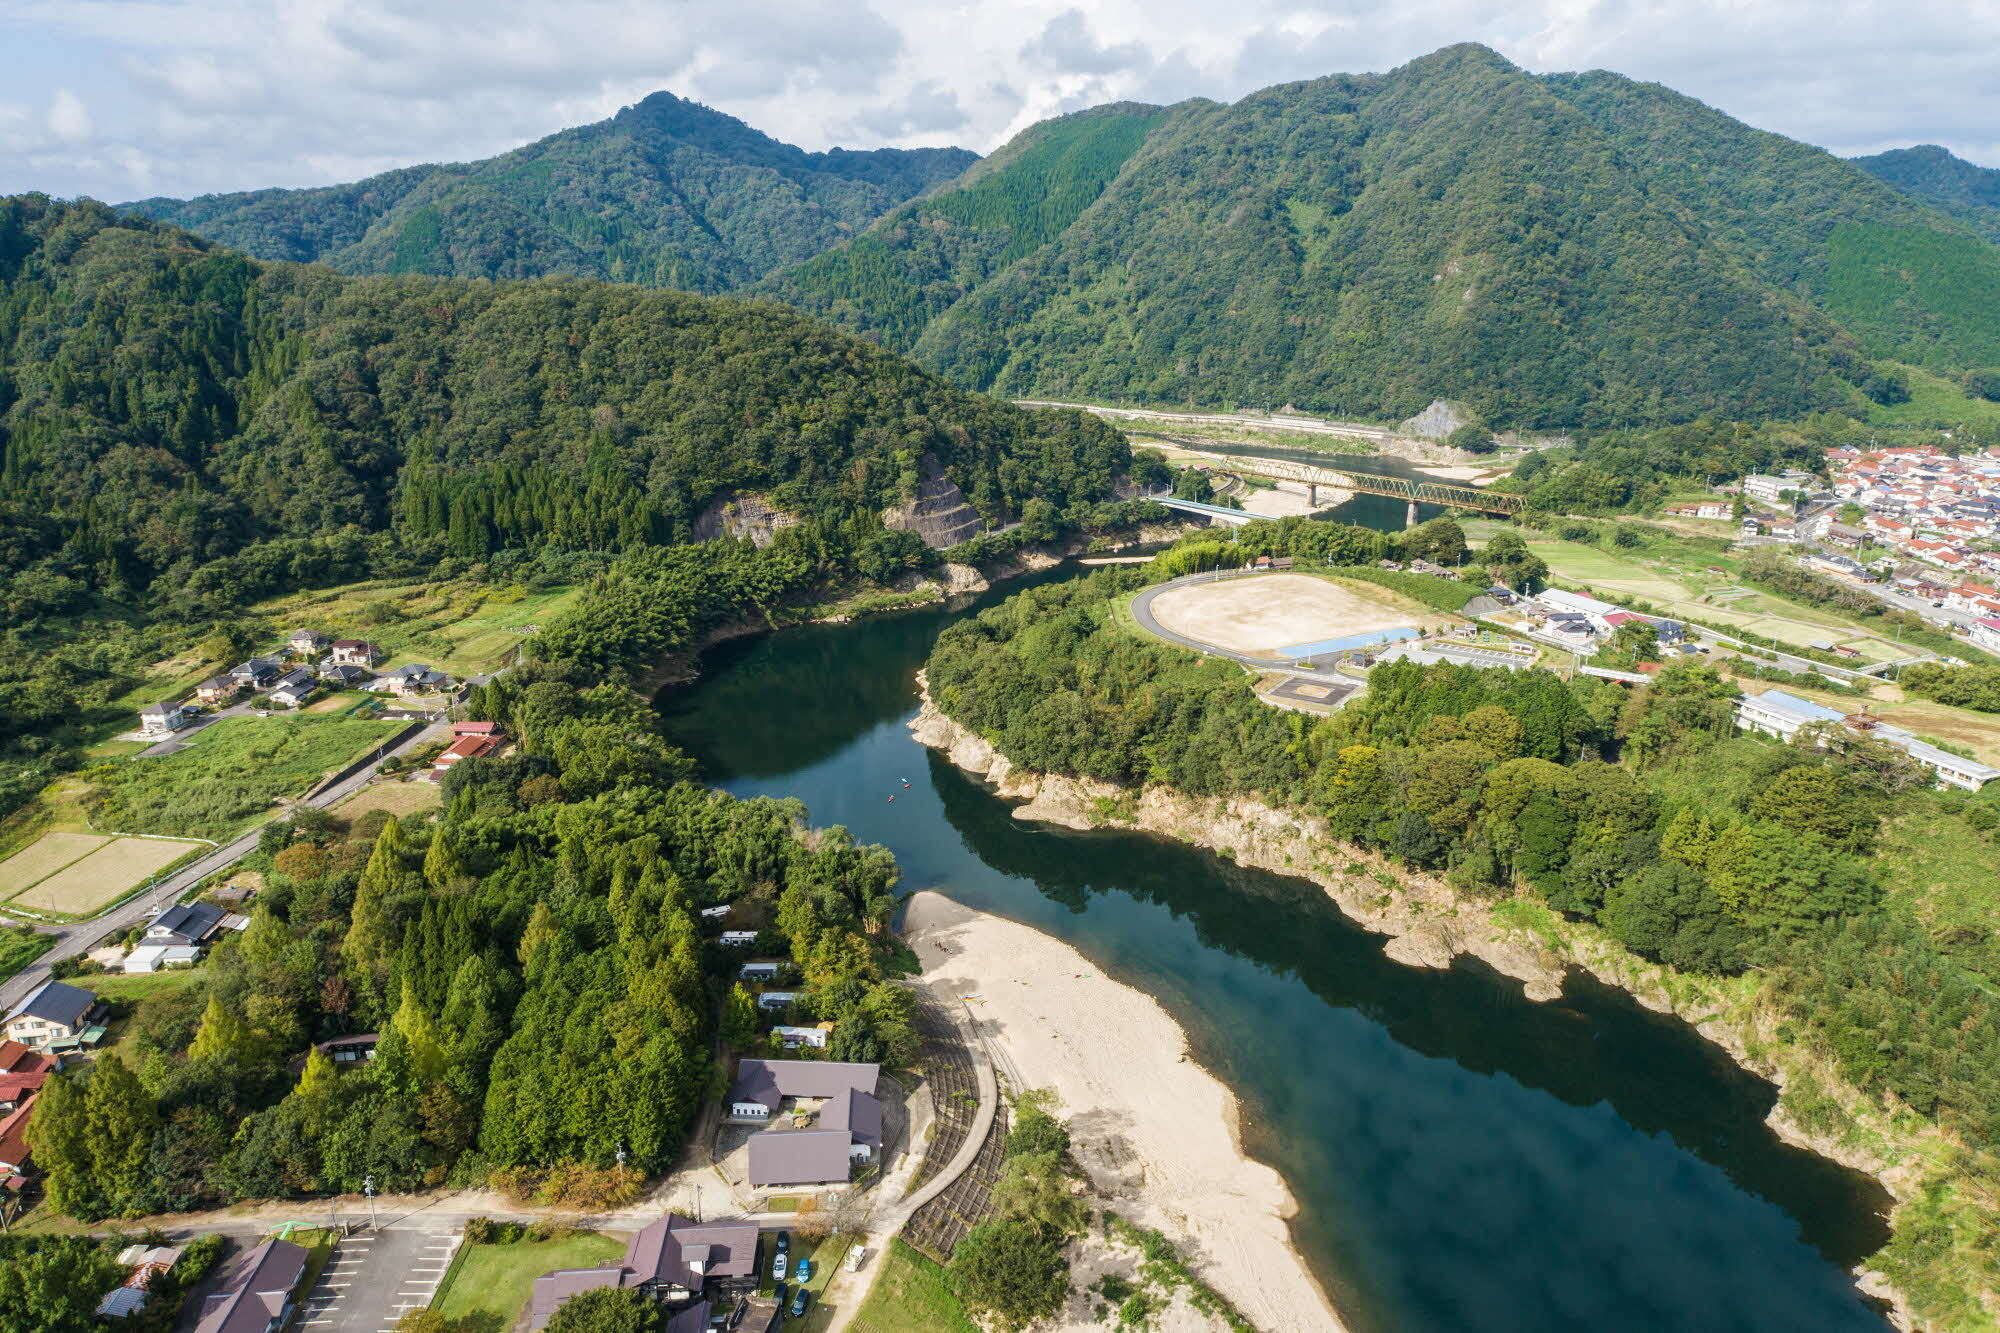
column 1984, row 383
column 1012, row 1268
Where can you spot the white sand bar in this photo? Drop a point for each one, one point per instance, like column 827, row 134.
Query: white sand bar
column 1156, row 1131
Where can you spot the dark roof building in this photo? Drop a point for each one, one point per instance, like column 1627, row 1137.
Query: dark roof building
column 553, row 1290
column 857, row 1113
column 769, row 1082
column 673, row 1258
column 800, row 1157
column 55, row 1002
column 185, row 923
column 255, row 1292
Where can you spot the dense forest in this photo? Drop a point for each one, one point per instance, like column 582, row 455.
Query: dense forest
column 1945, row 181
column 667, row 193
column 1577, row 250
column 184, row 430
column 1642, row 811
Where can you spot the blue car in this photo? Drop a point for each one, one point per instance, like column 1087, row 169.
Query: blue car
column 799, row 1303
column 779, row 1291
column 804, row 1271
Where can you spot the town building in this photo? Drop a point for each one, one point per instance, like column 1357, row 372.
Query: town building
column 414, row 678
column 143, row 1264
column 354, row 652
column 848, row 1119
column 1776, row 713
column 306, row 642
column 218, row 690
column 1985, row 633
column 676, row 1261
column 470, row 740
column 164, row 719
column 254, row 1293
column 294, row 688
column 344, row 676
column 56, row 1017
column 257, row 673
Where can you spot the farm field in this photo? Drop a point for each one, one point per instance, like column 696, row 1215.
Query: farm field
column 230, row 774
column 1265, row 615
column 492, row 1283
column 103, row 876
column 44, row 857
column 460, row 627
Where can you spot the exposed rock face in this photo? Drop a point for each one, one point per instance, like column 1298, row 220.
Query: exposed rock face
column 1430, row 922
column 938, row 513
column 1437, row 421
column 739, row 516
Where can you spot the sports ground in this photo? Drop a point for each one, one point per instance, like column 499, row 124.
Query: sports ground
column 1267, row 615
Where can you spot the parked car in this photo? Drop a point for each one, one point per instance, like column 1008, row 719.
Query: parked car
column 779, row 1291
column 781, row 1255
column 855, row 1258
column 800, row 1302
column 804, row 1271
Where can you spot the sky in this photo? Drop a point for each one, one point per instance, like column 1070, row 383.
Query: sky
column 121, row 99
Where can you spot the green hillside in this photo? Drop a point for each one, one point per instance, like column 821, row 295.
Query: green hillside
column 1555, row 250
column 667, row 193
column 169, row 404
column 1948, row 183
column 928, row 255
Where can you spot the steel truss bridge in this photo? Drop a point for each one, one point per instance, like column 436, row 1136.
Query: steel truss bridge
column 1396, row 488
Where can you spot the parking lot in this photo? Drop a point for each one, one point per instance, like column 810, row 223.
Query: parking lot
column 374, row 1278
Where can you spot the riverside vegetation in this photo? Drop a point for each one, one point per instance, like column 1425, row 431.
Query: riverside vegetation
column 1642, row 813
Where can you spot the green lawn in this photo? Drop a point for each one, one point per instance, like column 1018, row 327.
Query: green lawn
column 1940, row 871
column 911, row 1295
column 18, row 948
column 492, row 1283
column 1937, row 403
column 229, row 774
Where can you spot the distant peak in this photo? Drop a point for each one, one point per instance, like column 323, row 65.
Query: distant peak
column 1462, row 55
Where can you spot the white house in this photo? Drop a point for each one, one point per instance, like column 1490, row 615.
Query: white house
column 778, row 999
column 794, row 1037
column 741, row 939
column 715, row 913
column 1986, row 634
column 1556, row 601
column 757, row 972
column 164, row 719
column 147, row 958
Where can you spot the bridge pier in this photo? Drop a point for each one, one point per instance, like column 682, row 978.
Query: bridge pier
column 1410, row 518
column 1312, row 494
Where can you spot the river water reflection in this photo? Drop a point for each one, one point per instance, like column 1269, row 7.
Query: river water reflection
column 1463, row 1159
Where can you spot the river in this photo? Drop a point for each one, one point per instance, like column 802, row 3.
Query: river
column 1463, row 1159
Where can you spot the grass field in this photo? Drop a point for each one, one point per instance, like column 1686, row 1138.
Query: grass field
column 230, row 774
column 18, row 948
column 911, row 1295
column 496, row 1280
column 401, row 799
column 105, row 875
column 144, row 986
column 460, row 627
column 1936, row 403
column 44, row 857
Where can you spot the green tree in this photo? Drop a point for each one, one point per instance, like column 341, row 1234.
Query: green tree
column 608, row 1310
column 741, row 1023
column 319, row 1078
column 1813, row 798
column 1774, row 878
column 1688, row 838
column 1012, row 1268
column 53, row 1284
column 222, row 1035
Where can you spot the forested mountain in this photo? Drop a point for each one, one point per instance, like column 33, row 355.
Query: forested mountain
column 166, row 402
column 1943, row 180
column 1565, row 249
column 668, row 193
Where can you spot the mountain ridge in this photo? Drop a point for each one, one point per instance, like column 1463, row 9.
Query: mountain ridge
column 667, row 192
column 1941, row 178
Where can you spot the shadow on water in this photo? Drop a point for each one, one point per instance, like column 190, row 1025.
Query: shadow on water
column 1462, row 1158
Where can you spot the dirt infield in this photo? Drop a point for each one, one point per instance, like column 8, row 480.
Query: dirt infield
column 1262, row 615
column 43, row 857
column 401, row 799
column 107, row 873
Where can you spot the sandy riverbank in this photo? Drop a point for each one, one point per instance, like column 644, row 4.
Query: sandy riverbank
column 1156, row 1132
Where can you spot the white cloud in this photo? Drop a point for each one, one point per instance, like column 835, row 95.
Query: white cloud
column 69, row 118
column 119, row 98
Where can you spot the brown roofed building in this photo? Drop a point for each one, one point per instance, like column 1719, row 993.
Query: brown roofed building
column 553, row 1290
column 803, row 1157
column 255, row 1292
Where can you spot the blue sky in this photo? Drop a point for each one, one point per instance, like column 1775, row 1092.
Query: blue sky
column 125, row 98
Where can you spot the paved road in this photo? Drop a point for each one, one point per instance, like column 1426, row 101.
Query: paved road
column 82, row 935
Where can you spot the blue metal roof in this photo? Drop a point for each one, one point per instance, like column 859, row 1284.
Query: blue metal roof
column 1805, row 710
column 1368, row 640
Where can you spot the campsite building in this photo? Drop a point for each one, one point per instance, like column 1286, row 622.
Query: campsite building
column 847, row 1127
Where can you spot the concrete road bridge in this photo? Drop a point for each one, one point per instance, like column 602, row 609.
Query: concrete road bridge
column 1407, row 489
